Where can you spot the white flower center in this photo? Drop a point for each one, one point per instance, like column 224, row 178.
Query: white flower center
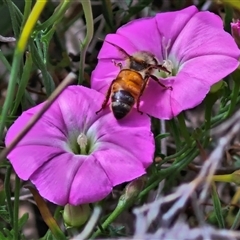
column 82, row 142
column 167, row 63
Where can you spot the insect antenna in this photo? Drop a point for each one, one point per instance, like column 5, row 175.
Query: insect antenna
column 121, row 50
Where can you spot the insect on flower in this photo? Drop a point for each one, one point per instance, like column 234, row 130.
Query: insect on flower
column 130, row 83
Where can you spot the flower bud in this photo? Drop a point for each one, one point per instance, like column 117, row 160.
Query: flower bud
column 217, row 86
column 76, row 216
column 235, row 29
column 236, row 177
column 134, row 188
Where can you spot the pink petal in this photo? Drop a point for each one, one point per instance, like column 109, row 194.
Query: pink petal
column 204, row 35
column 144, row 34
column 74, row 180
column 76, row 111
column 27, row 159
column 156, row 100
column 170, row 24
column 90, row 183
column 44, row 132
column 193, row 83
column 119, row 154
column 120, row 166
column 118, row 131
column 54, row 179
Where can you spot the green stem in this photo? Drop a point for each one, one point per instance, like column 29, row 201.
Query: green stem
column 162, row 175
column 176, row 167
column 209, row 101
column 87, row 8
column 188, row 151
column 183, row 129
column 8, row 193
column 16, row 207
column 122, row 205
column 222, row 178
column 236, row 87
column 23, row 82
column 228, row 17
column 27, row 10
column 5, row 61
column 10, row 90
column 175, row 155
column 218, row 119
column 56, row 17
column 175, row 132
column 236, row 221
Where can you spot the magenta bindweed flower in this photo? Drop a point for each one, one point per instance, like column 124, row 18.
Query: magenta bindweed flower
column 235, row 29
column 75, row 156
column 191, row 44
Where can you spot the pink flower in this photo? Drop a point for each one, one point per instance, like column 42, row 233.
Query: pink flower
column 191, row 44
column 235, row 28
column 74, row 156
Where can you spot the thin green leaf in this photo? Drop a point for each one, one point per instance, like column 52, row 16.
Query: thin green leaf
column 228, row 18
column 22, row 221
column 23, row 82
column 27, row 101
column 212, row 219
column 136, row 9
column 37, row 60
column 217, row 207
column 162, row 135
column 2, row 237
column 236, row 222
column 235, row 92
column 16, row 17
column 107, row 13
column 5, row 61
column 8, row 193
column 4, row 214
column 16, row 207
column 2, row 197
column 48, row 236
column 8, row 233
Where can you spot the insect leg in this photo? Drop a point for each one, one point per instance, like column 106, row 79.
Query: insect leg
column 117, row 64
column 156, row 80
column 104, row 104
column 141, row 93
column 160, row 67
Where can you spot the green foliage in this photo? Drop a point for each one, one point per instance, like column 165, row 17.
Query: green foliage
column 217, row 207
column 4, row 214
